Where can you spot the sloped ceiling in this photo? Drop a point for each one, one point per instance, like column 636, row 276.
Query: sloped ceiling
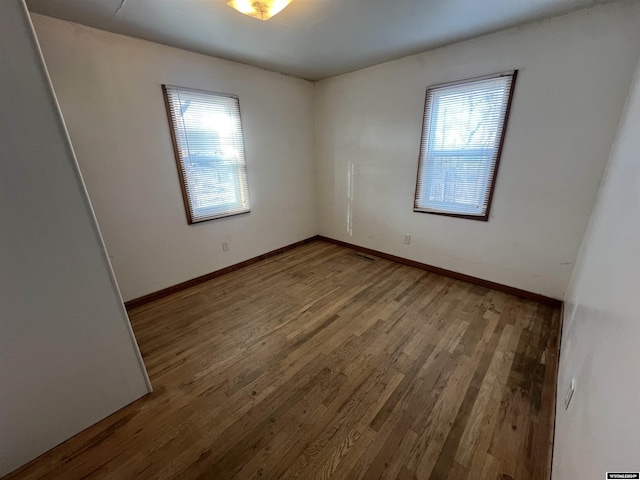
column 311, row 39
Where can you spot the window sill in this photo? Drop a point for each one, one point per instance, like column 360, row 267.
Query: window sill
column 481, row 218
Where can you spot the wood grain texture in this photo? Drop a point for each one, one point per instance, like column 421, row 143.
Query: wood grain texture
column 165, row 292
column 320, row 364
column 518, row 292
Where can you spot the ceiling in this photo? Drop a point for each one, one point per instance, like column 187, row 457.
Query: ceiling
column 311, row 39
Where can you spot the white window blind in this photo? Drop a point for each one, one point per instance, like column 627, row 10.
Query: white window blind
column 209, row 148
column 461, row 142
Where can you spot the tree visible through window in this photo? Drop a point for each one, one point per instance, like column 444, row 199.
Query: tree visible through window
column 209, row 148
column 463, row 132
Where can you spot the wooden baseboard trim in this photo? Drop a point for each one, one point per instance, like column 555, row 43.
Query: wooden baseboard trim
column 138, row 302
column 450, row 273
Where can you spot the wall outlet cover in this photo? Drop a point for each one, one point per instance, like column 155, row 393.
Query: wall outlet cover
column 569, row 395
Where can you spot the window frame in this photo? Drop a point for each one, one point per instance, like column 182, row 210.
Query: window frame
column 493, row 179
column 176, row 153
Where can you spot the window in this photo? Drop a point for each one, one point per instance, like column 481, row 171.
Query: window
column 209, row 149
column 462, row 136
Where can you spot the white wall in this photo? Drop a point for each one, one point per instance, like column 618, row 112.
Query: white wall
column 109, row 90
column 67, row 355
column 600, row 430
column 574, row 76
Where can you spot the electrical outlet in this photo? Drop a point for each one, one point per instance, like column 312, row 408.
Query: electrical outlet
column 407, row 238
column 569, row 395
column 225, row 246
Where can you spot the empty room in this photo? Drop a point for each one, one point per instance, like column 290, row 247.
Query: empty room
column 319, row 239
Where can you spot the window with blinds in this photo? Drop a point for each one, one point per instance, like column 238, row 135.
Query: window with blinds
column 462, row 137
column 209, row 148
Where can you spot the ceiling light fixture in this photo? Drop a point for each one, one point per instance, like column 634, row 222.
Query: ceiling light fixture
column 262, row 9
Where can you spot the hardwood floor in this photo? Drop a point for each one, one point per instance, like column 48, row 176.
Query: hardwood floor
column 322, row 363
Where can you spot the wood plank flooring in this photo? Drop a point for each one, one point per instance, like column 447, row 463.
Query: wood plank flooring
column 321, row 363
